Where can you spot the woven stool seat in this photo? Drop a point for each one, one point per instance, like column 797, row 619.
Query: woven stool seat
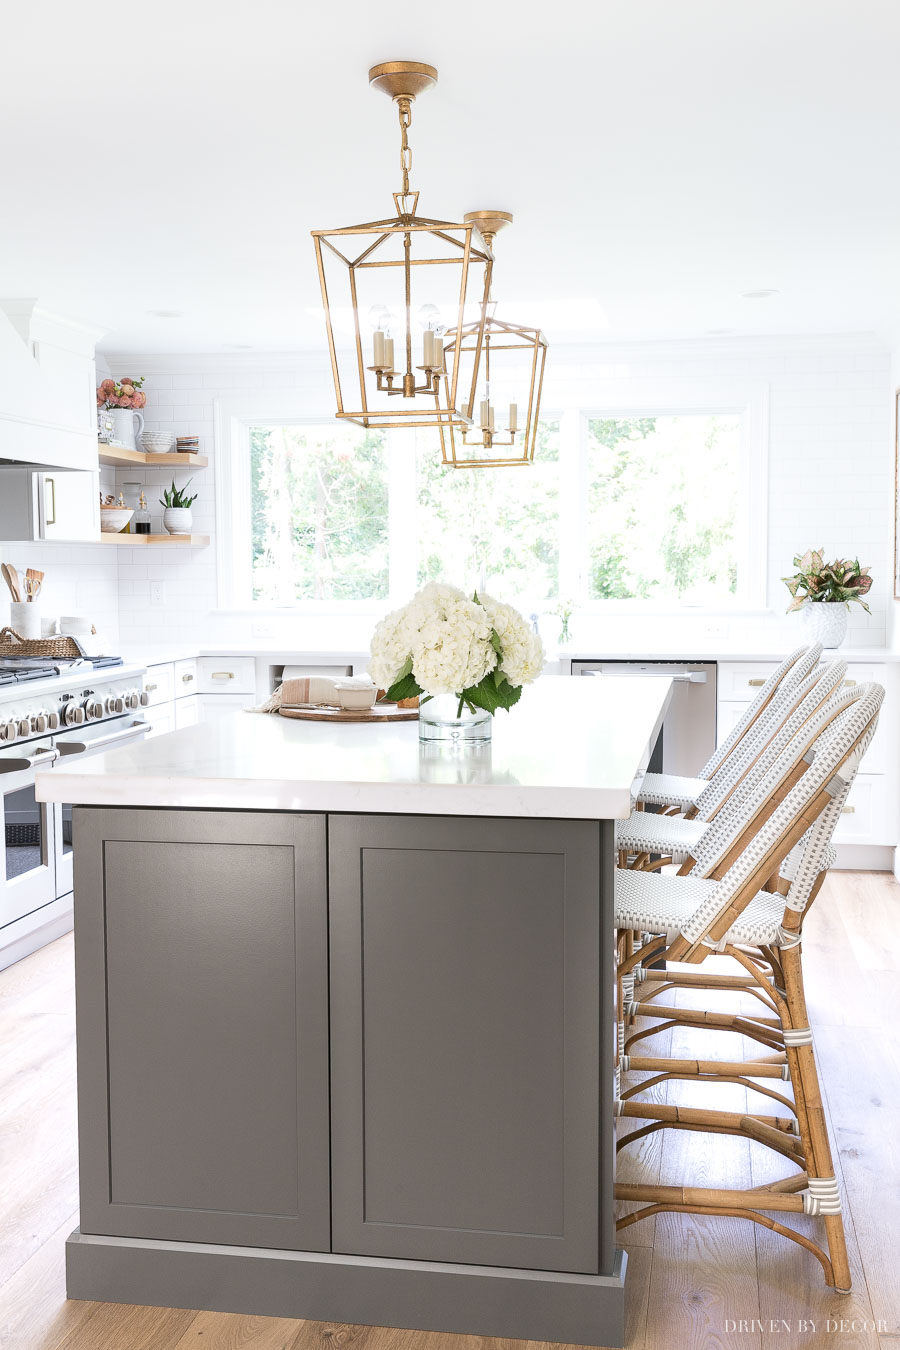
column 648, row 902
column 669, row 789
column 647, row 832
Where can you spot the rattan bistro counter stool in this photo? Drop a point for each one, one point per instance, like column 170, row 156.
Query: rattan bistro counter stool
column 666, row 789
column 761, row 931
column 727, row 811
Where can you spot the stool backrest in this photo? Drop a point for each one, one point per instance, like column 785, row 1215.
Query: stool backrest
column 760, row 751
column 831, row 758
column 788, row 667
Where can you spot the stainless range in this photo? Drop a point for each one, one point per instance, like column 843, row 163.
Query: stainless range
column 51, row 710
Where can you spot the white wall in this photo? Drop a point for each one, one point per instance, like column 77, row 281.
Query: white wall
column 830, row 469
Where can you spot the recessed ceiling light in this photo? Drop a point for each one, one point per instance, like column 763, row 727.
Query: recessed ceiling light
column 757, row 295
column 166, row 313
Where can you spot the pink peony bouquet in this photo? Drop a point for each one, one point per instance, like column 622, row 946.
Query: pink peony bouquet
column 121, row 394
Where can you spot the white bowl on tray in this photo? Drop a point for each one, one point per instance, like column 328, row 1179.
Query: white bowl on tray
column 113, row 519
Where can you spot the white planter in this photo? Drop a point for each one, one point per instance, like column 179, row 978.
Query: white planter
column 826, row 623
column 127, row 423
column 178, row 519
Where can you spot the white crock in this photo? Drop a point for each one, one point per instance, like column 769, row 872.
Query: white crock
column 826, row 623
column 177, row 519
column 128, row 423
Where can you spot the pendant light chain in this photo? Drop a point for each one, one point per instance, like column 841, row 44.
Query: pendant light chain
column 405, row 109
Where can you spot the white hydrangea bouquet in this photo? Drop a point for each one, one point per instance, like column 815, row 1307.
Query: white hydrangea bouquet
column 479, row 650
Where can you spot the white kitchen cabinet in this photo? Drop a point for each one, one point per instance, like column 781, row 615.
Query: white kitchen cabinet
column 41, row 505
column 226, row 675
column 185, row 678
column 159, row 683
column 187, row 711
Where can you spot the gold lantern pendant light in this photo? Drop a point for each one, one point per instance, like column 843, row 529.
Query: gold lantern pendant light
column 405, row 280
column 480, row 443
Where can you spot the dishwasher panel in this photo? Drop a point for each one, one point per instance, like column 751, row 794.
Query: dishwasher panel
column 688, row 737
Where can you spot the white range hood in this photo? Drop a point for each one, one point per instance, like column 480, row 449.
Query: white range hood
column 48, row 409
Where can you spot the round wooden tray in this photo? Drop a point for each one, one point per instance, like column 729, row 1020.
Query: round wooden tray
column 382, row 712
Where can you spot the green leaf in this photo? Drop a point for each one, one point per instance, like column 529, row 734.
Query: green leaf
column 489, row 696
column 499, row 676
column 403, row 687
column 405, row 669
column 496, row 643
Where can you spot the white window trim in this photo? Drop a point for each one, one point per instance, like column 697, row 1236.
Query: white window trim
column 233, row 418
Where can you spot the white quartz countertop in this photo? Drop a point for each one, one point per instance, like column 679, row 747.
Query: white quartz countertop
column 569, row 749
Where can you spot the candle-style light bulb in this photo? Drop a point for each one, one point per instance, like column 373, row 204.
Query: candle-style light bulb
column 513, row 418
column 484, row 418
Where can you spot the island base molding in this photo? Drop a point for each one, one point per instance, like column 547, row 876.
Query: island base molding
column 372, row 1291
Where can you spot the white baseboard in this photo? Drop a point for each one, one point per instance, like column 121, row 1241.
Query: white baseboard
column 24, row 936
column 867, row 858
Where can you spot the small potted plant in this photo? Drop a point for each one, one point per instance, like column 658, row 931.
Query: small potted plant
column 825, row 591
column 177, row 516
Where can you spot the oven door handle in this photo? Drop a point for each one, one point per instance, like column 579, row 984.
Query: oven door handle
column 21, row 765
column 67, row 748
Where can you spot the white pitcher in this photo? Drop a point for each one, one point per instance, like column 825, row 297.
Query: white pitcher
column 128, row 424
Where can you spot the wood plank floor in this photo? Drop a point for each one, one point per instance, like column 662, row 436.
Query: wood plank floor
column 693, row 1282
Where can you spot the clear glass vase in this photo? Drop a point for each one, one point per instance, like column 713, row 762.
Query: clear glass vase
column 440, row 719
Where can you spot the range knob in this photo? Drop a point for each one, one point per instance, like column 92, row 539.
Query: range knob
column 93, row 709
column 53, row 720
column 25, row 727
column 132, row 699
column 72, row 715
column 9, row 731
column 40, row 722
column 145, row 699
column 114, row 704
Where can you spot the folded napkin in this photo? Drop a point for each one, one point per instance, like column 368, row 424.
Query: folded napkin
column 311, row 691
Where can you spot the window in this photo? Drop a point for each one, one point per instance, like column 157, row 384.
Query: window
column 662, row 507
column 319, row 514
column 499, row 523
column 632, row 508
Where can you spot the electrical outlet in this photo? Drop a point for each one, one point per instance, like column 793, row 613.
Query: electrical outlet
column 157, row 594
column 260, row 628
column 717, row 628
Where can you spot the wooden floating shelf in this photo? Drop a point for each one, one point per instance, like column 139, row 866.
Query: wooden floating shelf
column 192, row 540
column 117, row 456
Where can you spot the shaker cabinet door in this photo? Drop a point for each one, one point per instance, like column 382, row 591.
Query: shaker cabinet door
column 201, row 950
column 465, row 1039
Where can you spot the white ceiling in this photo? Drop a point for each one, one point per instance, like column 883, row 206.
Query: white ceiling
column 660, row 159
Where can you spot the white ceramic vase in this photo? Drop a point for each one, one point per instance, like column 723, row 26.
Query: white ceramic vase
column 127, row 424
column 177, row 519
column 826, row 623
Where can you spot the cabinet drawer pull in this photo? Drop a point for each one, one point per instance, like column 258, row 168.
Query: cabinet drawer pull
column 222, row 675
column 186, row 679
column 848, row 810
column 849, row 684
column 149, row 688
column 756, row 684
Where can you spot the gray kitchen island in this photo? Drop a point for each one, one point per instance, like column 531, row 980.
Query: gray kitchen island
column 345, row 1017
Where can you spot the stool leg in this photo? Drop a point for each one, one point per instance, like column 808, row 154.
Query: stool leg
column 813, row 1128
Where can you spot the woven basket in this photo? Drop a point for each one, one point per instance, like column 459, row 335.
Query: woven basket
column 13, row 645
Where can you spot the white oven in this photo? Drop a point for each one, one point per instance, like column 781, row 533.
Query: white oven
column 36, row 837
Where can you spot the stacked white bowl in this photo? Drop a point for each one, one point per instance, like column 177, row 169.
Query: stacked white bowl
column 157, row 442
